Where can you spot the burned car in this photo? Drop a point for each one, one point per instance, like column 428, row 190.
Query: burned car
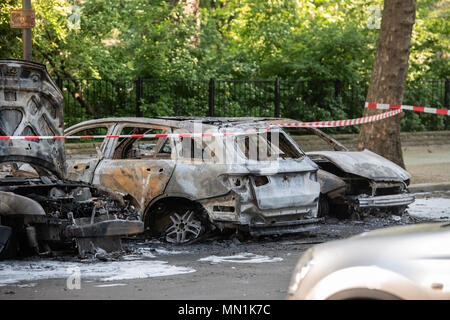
column 185, row 184
column 355, row 182
column 40, row 209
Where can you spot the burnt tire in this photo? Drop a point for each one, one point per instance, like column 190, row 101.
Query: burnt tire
column 8, row 247
column 180, row 222
column 342, row 211
column 324, row 206
column 398, row 211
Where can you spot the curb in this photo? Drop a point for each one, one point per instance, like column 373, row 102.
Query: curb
column 429, row 187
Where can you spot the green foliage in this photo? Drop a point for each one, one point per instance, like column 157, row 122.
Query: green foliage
column 10, row 39
column 322, row 50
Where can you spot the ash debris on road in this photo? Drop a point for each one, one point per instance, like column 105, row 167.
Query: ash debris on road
column 243, row 267
column 232, row 244
column 229, row 244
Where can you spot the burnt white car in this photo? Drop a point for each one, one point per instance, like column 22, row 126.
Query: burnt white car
column 184, row 185
column 354, row 182
column 407, row 262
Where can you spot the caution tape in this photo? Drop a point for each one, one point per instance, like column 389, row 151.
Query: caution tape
column 316, row 124
column 341, row 123
column 159, row 135
column 320, row 124
column 383, row 106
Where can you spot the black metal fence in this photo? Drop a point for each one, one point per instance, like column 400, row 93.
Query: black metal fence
column 311, row 100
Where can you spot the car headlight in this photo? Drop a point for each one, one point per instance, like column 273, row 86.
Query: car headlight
column 301, row 270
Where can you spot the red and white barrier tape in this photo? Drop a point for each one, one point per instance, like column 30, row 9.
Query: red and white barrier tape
column 341, row 123
column 159, row 135
column 382, row 106
column 320, row 124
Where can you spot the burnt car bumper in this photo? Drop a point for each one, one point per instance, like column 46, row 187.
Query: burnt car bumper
column 394, row 200
column 286, row 227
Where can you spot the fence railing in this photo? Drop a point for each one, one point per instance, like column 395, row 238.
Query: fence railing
column 306, row 100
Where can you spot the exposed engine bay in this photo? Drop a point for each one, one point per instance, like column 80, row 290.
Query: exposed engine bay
column 46, row 212
column 355, row 182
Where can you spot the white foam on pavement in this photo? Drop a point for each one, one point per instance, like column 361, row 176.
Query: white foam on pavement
column 240, row 258
column 15, row 271
column 430, row 208
column 139, row 253
column 168, row 252
column 111, row 285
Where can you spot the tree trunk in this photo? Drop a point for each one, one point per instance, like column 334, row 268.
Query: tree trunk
column 388, row 79
column 192, row 9
column 76, row 92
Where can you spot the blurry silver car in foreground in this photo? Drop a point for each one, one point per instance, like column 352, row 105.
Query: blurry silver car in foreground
column 408, row 262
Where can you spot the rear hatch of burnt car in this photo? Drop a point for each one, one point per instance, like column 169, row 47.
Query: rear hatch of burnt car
column 32, row 105
column 283, row 179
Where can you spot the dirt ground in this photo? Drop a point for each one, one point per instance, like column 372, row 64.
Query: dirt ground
column 428, row 164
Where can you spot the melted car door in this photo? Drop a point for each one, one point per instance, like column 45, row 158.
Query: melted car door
column 140, row 167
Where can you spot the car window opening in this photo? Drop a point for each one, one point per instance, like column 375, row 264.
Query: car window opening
column 89, row 145
column 267, row 146
column 143, row 148
column 198, row 149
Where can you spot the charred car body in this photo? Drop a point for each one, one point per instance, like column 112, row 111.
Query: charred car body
column 359, row 181
column 185, row 184
column 39, row 207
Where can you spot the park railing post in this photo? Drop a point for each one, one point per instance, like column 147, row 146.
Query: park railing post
column 446, row 99
column 59, row 83
column 138, row 97
column 277, row 98
column 212, row 88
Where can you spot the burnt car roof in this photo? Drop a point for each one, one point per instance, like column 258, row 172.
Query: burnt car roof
column 181, row 121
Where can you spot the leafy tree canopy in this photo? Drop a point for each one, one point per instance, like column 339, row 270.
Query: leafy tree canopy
column 293, row 39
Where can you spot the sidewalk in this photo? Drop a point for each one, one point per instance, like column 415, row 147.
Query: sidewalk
column 428, row 164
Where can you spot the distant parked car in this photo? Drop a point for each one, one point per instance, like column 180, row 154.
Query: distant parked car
column 184, row 185
column 407, row 262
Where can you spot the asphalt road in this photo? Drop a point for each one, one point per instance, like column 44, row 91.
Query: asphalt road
column 216, row 269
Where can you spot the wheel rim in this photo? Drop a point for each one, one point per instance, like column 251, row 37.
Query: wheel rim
column 183, row 228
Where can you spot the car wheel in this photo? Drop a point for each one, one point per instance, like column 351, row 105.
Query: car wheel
column 176, row 222
column 324, row 206
column 342, row 211
column 184, row 227
column 8, row 245
column 398, row 211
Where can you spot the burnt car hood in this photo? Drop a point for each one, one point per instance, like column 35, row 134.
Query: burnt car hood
column 31, row 105
column 365, row 164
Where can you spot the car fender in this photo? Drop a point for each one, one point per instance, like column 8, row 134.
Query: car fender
column 12, row 204
column 376, row 282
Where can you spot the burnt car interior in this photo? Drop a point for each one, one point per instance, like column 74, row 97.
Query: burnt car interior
column 267, row 146
column 143, row 148
column 194, row 149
